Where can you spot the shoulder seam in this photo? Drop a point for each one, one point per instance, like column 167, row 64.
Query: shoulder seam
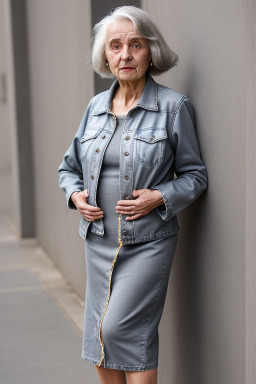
column 174, row 117
column 176, row 110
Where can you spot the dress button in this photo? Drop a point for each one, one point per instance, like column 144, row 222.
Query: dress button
column 127, row 197
column 103, row 136
column 127, row 177
column 92, row 177
column 126, row 153
column 124, row 232
column 97, row 150
column 127, row 137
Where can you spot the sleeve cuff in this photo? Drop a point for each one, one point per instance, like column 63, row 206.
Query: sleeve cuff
column 161, row 209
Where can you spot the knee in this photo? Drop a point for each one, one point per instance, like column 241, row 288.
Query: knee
column 110, row 329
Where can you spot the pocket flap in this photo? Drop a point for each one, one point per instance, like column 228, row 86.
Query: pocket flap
column 151, row 135
column 89, row 134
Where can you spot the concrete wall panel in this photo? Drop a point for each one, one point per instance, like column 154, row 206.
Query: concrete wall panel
column 61, row 87
column 202, row 334
column 251, row 199
column 8, row 203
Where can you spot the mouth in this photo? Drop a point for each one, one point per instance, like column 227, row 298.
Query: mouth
column 127, row 68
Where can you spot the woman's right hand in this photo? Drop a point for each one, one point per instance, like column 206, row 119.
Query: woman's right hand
column 89, row 212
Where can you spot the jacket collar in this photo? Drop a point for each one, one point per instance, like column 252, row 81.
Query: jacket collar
column 148, row 99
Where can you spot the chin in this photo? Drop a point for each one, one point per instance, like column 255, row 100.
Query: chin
column 130, row 76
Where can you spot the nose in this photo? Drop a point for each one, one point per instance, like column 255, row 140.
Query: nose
column 126, row 54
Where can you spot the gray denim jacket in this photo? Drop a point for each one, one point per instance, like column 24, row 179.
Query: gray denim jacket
column 158, row 142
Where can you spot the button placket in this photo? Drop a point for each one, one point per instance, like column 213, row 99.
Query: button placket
column 126, row 173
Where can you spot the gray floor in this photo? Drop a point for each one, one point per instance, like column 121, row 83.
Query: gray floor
column 40, row 328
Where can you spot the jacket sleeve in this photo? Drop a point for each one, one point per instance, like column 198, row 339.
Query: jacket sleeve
column 70, row 170
column 190, row 171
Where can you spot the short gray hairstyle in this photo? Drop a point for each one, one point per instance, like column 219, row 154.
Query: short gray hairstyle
column 163, row 58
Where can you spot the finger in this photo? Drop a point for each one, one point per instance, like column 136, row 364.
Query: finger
column 83, row 195
column 91, row 208
column 86, row 211
column 126, row 206
column 126, row 211
column 92, row 218
column 92, row 214
column 126, row 203
column 134, row 217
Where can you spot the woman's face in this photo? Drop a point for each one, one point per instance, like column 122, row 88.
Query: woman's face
column 127, row 53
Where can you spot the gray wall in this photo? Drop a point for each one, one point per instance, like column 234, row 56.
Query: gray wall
column 23, row 134
column 251, row 199
column 61, row 87
column 203, row 328
column 6, row 160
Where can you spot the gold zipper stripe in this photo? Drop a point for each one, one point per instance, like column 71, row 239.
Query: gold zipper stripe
column 110, row 277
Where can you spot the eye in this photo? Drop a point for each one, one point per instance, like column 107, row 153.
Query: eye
column 136, row 45
column 116, row 46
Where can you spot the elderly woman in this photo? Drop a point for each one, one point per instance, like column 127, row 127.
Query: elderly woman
column 119, row 174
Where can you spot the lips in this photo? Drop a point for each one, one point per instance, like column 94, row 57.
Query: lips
column 127, row 68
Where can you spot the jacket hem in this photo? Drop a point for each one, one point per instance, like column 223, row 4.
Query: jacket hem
column 122, row 367
column 141, row 239
column 82, row 233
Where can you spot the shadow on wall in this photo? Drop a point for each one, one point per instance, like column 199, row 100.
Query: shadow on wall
column 188, row 309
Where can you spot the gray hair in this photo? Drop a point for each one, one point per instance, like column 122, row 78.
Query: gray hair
column 163, row 58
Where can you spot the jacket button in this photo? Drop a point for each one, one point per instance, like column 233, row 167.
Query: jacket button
column 127, row 137
column 97, row 150
column 151, row 138
column 124, row 232
column 92, row 177
column 103, row 136
column 127, row 177
column 132, row 114
column 127, row 197
column 81, row 177
column 126, row 153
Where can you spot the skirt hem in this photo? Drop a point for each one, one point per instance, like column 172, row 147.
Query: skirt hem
column 121, row 367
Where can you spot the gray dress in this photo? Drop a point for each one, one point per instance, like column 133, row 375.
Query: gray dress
column 125, row 287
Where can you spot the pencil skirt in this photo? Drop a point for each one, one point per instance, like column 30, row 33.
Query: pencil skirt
column 124, row 301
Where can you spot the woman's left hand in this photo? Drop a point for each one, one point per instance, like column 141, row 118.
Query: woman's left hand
column 146, row 201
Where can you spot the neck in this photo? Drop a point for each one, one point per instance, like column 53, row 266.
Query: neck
column 130, row 91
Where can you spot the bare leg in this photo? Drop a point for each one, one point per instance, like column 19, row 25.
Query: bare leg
column 142, row 377
column 111, row 376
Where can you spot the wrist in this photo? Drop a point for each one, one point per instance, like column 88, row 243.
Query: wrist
column 73, row 196
column 158, row 197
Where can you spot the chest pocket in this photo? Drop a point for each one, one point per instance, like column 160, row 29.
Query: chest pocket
column 89, row 138
column 150, row 145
